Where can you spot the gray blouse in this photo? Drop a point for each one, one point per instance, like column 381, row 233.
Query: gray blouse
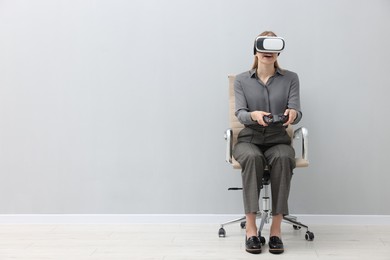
column 280, row 92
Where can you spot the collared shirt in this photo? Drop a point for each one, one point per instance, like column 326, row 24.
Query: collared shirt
column 279, row 93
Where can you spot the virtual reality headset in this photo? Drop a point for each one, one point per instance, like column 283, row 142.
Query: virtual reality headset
column 268, row 44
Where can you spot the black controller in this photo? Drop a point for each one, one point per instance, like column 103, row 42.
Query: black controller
column 275, row 119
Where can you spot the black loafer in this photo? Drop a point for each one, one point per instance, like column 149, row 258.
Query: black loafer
column 275, row 245
column 253, row 245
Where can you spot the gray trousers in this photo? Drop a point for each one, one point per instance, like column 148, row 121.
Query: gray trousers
column 256, row 148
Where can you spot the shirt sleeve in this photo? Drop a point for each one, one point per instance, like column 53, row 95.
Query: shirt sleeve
column 241, row 107
column 294, row 98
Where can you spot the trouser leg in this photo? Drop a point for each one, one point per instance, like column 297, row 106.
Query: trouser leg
column 281, row 160
column 252, row 162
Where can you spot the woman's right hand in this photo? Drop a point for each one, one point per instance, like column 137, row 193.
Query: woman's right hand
column 258, row 117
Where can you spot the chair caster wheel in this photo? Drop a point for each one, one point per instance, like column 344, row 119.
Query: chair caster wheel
column 309, row 236
column 243, row 225
column 222, row 232
column 295, row 227
column 262, row 240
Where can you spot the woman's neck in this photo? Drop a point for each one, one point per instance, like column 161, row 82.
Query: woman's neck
column 265, row 71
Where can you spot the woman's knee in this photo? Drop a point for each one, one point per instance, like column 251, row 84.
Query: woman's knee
column 283, row 151
column 248, row 153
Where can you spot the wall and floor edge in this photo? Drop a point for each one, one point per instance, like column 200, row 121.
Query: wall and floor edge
column 180, row 219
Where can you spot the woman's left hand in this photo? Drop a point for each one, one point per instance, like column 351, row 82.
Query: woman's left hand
column 292, row 115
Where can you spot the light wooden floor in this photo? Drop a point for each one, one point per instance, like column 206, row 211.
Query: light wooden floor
column 184, row 241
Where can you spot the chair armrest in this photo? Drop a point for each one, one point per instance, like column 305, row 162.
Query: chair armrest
column 302, row 134
column 229, row 145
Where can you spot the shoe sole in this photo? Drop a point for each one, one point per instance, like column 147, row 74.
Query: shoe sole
column 253, row 251
column 276, row 251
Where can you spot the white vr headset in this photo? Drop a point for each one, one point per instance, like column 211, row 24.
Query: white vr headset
column 268, row 44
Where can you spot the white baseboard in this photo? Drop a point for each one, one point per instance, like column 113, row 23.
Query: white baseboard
column 180, row 219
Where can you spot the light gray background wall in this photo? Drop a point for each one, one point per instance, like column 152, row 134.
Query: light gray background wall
column 120, row 106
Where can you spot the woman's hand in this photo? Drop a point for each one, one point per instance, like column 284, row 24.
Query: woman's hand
column 292, row 115
column 258, row 117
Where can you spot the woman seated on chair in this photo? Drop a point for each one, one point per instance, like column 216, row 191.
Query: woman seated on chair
column 266, row 90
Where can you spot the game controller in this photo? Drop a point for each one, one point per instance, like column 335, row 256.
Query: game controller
column 275, row 119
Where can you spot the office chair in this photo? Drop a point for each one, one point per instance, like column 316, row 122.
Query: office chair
column 265, row 214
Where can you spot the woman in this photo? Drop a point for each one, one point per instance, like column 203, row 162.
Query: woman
column 266, row 89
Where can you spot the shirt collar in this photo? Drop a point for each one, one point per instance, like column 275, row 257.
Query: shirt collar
column 252, row 72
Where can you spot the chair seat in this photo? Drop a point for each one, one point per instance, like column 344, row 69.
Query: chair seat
column 235, row 164
column 301, row 162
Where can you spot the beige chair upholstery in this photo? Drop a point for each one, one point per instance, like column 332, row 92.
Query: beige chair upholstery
column 235, row 127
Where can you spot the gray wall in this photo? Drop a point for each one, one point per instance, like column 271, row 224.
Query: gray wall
column 120, row 106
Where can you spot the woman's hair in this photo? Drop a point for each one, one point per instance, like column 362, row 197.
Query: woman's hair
column 256, row 61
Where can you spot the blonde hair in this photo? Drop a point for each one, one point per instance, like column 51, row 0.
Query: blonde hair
column 256, row 61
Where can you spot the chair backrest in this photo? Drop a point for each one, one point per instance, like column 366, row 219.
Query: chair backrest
column 235, row 125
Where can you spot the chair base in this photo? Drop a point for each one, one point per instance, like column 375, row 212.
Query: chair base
column 265, row 216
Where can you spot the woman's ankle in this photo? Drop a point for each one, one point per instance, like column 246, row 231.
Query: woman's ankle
column 251, row 228
column 275, row 231
column 276, row 226
column 251, row 232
